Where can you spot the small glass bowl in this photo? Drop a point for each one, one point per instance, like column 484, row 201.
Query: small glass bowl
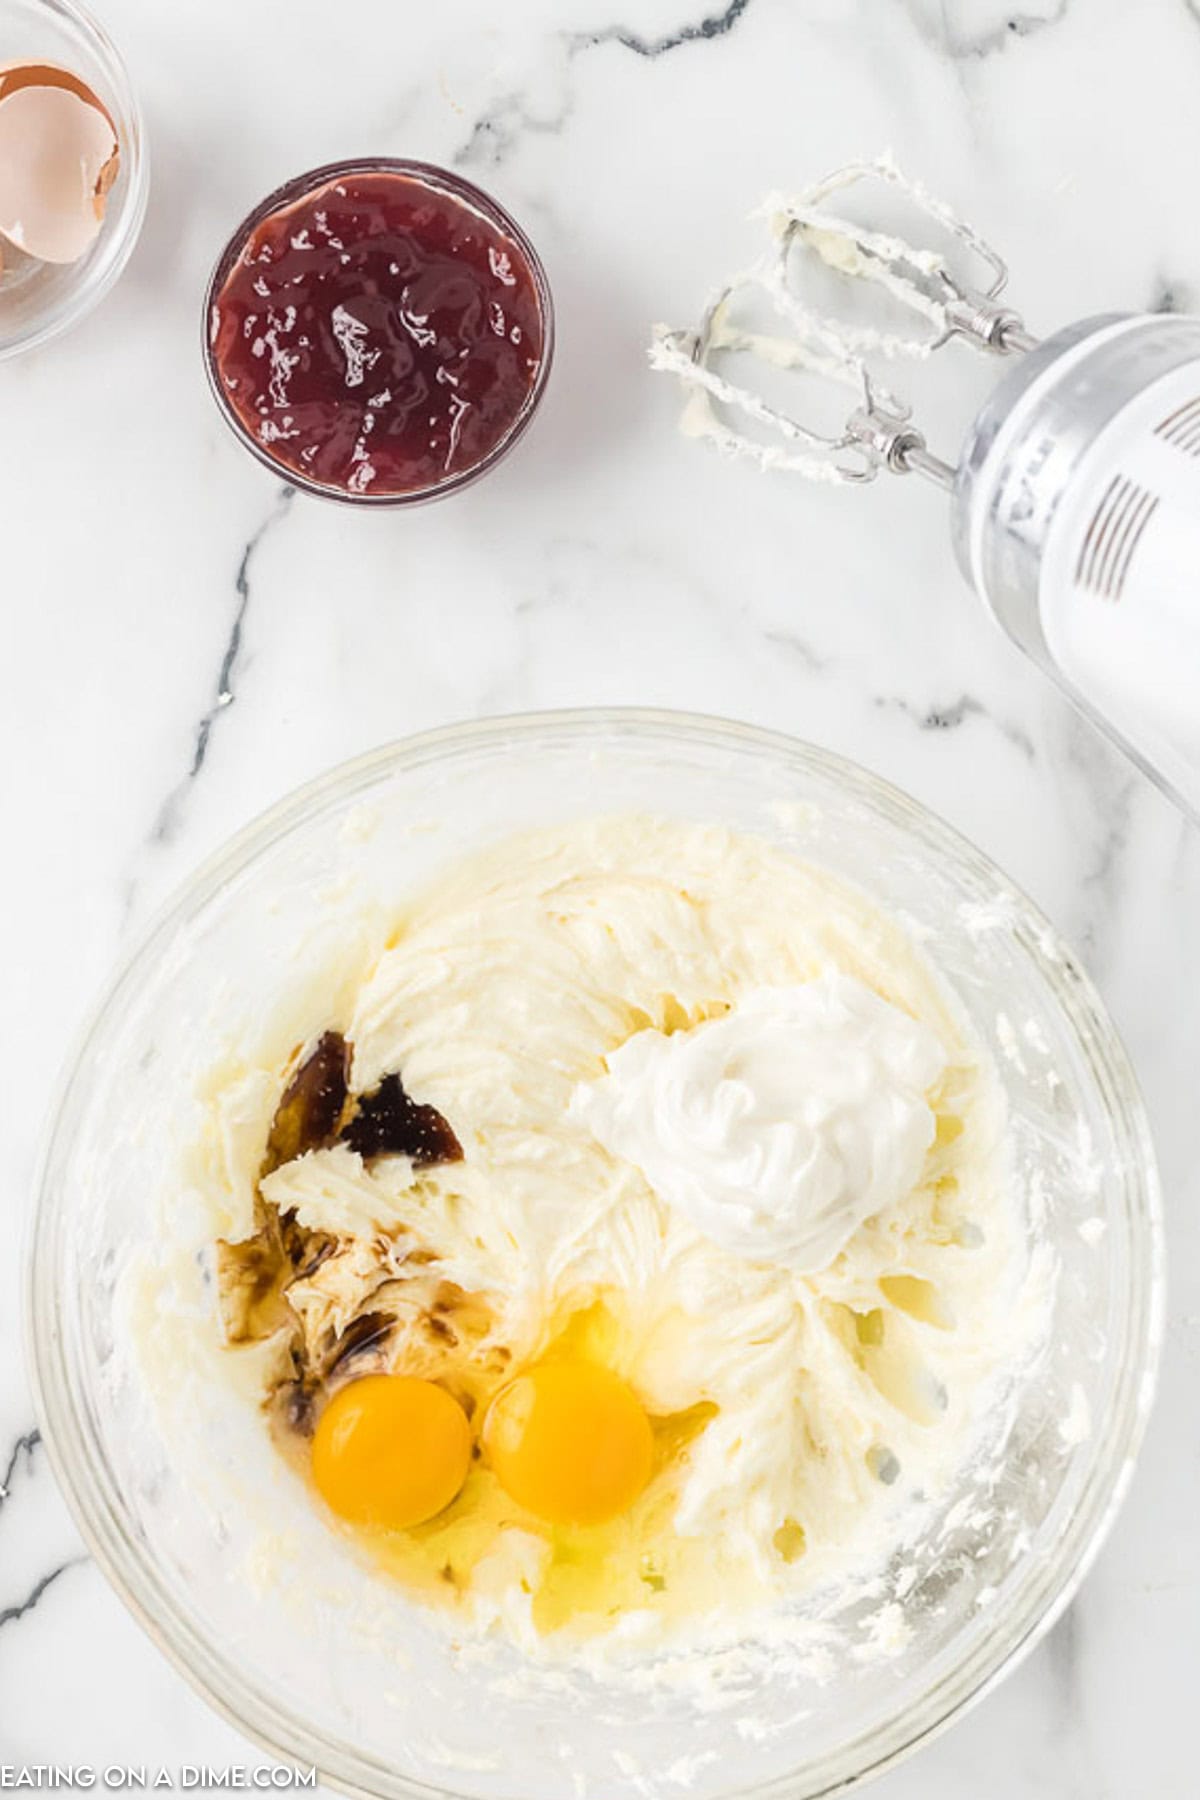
column 38, row 300
column 437, row 180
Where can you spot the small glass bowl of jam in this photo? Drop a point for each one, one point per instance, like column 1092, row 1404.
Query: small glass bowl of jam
column 378, row 332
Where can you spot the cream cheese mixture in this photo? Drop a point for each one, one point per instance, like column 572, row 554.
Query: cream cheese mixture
column 680, row 1108
column 780, row 1127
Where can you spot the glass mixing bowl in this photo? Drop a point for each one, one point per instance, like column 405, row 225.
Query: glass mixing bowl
column 326, row 1664
column 38, row 300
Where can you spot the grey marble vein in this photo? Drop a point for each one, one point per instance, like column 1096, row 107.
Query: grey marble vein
column 1171, row 295
column 714, row 25
column 25, row 1448
column 956, row 713
column 10, row 1614
column 1110, row 787
column 167, row 821
column 498, row 131
column 509, row 120
column 1104, row 880
column 936, row 26
column 799, row 648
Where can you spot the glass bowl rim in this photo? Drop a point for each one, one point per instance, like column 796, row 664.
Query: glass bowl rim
column 432, row 175
column 87, row 293
column 74, row 1450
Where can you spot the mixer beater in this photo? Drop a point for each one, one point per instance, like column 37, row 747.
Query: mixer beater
column 1075, row 499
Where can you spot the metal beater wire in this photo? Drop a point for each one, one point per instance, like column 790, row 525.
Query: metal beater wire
column 878, row 432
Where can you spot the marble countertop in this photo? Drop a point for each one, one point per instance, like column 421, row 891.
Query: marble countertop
column 185, row 640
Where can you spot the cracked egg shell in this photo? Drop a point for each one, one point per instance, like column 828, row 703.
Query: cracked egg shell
column 58, row 159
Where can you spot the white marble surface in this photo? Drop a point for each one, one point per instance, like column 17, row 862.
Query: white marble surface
column 183, row 642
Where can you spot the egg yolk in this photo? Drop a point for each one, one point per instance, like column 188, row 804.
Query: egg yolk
column 571, row 1441
column 391, row 1451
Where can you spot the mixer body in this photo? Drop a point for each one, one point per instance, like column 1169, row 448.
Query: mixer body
column 1077, row 519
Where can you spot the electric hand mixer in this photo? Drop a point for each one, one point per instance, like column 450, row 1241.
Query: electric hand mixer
column 1076, row 496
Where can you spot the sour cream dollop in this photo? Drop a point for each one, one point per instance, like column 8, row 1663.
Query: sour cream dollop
column 780, row 1127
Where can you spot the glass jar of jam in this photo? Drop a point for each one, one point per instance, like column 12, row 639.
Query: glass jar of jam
column 378, row 332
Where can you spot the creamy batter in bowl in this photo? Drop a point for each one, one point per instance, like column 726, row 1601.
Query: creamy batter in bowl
column 213, row 1539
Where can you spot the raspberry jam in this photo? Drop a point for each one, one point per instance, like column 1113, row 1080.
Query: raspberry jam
column 379, row 332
